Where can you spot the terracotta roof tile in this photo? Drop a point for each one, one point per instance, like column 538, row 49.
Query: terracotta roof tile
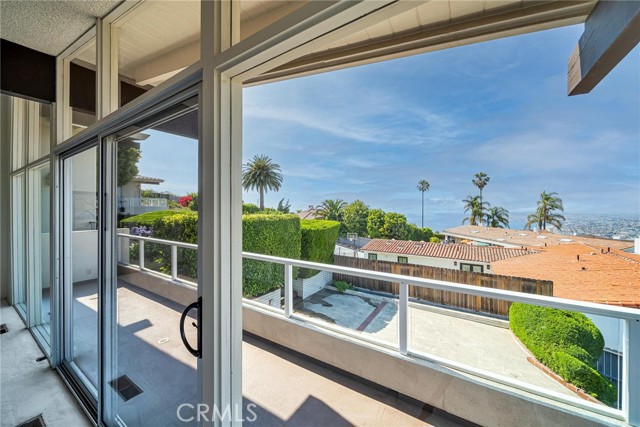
column 441, row 250
column 581, row 272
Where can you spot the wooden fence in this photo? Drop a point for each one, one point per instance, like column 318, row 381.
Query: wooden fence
column 446, row 298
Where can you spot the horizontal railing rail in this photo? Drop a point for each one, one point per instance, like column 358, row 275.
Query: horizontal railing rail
column 630, row 318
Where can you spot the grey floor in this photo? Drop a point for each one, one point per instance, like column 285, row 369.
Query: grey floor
column 29, row 388
column 282, row 389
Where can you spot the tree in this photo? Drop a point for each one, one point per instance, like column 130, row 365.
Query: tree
column 127, row 163
column 375, row 222
column 284, row 207
column 548, row 205
column 476, row 210
column 420, row 234
column 261, row 174
column 332, row 210
column 498, row 217
column 395, row 226
column 422, row 187
column 481, row 180
column 355, row 218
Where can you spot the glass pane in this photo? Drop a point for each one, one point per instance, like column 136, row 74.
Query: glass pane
column 18, row 117
column 156, row 42
column 40, row 130
column 18, row 242
column 39, row 209
column 81, row 266
column 157, row 195
column 82, row 88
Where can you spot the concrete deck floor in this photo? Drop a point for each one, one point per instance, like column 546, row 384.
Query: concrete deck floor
column 287, row 390
column 444, row 333
column 29, row 388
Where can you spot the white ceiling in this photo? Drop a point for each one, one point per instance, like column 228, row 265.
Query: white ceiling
column 159, row 38
column 50, row 26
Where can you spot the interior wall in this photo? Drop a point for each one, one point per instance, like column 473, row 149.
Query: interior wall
column 5, row 257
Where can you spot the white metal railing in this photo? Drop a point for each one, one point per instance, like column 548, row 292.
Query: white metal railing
column 174, row 254
column 630, row 317
column 143, row 201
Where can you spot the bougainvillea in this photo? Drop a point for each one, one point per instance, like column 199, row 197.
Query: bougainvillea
column 184, row 201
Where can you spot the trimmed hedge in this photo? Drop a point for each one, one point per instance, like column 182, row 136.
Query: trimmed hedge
column 566, row 342
column 318, row 243
column 277, row 235
column 148, row 219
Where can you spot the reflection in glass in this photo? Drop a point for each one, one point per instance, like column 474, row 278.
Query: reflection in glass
column 81, row 272
column 156, row 197
column 39, row 208
column 18, row 267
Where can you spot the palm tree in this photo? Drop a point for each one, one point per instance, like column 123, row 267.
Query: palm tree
column 261, row 174
column 481, row 180
column 331, row 209
column 545, row 214
column 423, row 186
column 498, row 217
column 476, row 209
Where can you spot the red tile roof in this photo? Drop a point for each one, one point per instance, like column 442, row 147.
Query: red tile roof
column 443, row 250
column 581, row 272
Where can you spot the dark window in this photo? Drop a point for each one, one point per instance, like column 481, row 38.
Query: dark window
column 403, row 260
column 475, row 268
column 373, row 257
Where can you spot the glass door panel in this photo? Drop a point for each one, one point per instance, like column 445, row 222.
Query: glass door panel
column 38, row 220
column 80, row 271
column 18, row 253
column 156, row 269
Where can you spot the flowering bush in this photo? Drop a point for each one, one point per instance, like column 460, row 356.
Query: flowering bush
column 141, row 231
column 184, row 201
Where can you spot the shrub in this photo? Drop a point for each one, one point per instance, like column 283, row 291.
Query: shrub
column 249, row 208
column 147, row 219
column 566, row 342
column 318, row 242
column 342, row 286
column 181, row 228
column 277, row 235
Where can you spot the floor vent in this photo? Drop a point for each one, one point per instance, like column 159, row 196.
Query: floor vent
column 3, row 328
column 33, row 422
column 126, row 388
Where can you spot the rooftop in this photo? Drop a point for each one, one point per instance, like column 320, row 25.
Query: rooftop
column 441, row 250
column 509, row 237
column 581, row 272
column 147, row 179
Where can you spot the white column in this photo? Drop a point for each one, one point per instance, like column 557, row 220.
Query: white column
column 631, row 371
column 220, row 283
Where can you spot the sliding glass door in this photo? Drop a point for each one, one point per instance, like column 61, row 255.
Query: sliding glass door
column 130, row 239
column 80, row 287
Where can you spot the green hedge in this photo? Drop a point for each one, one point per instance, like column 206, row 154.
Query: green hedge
column 318, row 243
column 566, row 342
column 149, row 218
column 181, row 228
column 277, row 235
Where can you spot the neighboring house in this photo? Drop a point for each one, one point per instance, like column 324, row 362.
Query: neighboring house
column 509, row 238
column 311, row 213
column 130, row 198
column 453, row 256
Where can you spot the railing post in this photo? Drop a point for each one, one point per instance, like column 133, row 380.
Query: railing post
column 174, row 262
column 141, row 254
column 288, row 290
column 631, row 371
column 403, row 318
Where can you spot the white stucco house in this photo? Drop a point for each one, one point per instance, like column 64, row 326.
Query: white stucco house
column 443, row 255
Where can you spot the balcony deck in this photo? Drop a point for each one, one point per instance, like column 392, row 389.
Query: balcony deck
column 287, row 390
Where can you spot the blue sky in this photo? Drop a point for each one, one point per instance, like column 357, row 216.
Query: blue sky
column 372, row 132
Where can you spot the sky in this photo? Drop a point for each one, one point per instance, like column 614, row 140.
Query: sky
column 372, row 132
